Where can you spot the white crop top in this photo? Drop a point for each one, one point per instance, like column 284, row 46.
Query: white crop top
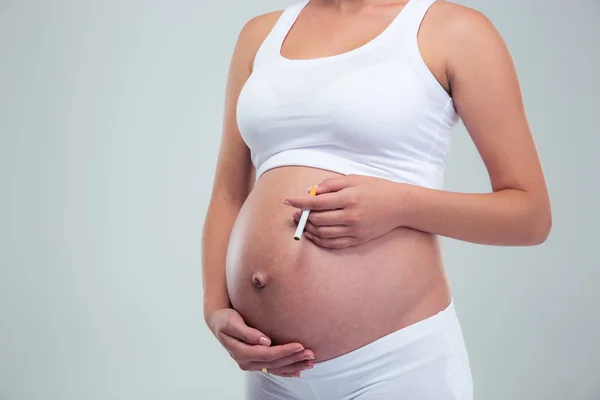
column 376, row 110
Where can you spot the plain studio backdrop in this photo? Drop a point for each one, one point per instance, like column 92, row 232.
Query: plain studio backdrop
column 110, row 121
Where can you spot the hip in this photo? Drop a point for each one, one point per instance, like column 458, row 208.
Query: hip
column 425, row 360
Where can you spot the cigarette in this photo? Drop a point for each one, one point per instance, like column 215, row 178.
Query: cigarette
column 304, row 217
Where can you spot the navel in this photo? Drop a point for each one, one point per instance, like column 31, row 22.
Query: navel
column 259, row 280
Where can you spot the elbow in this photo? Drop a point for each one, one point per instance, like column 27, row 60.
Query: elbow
column 541, row 226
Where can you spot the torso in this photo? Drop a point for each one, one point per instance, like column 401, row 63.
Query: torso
column 324, row 35
column 332, row 301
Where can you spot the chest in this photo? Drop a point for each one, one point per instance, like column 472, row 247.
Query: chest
column 324, row 33
column 360, row 107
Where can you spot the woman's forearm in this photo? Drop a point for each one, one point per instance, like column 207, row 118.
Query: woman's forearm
column 506, row 217
column 218, row 224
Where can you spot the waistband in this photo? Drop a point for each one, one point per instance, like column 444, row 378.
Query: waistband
column 442, row 322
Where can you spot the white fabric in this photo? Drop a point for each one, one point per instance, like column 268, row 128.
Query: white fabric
column 376, row 110
column 424, row 361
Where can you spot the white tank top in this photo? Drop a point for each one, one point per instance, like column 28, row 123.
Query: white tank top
column 376, row 110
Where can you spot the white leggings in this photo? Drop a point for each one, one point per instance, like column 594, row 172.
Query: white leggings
column 424, row 361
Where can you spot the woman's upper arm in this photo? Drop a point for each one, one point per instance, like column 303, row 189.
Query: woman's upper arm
column 487, row 96
column 234, row 172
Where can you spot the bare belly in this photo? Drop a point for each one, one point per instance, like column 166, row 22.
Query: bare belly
column 331, row 301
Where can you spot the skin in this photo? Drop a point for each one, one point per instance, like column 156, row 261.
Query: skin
column 480, row 75
column 471, row 62
column 250, row 348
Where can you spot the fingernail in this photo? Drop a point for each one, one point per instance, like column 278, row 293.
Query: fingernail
column 264, row 341
column 296, row 375
column 310, row 358
column 299, row 349
column 287, row 203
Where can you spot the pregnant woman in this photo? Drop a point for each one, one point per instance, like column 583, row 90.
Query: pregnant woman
column 358, row 98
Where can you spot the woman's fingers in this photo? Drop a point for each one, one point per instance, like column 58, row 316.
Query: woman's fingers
column 236, row 327
column 292, row 370
column 326, row 218
column 327, row 201
column 337, row 243
column 327, row 232
column 245, row 354
column 333, row 237
column 247, row 346
column 294, row 363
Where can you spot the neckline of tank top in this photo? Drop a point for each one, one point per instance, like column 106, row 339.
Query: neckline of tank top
column 340, row 56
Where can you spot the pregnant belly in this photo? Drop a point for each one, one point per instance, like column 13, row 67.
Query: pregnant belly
column 331, row 301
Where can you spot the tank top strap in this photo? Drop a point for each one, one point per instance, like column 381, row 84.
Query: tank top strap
column 415, row 11
column 271, row 46
column 400, row 37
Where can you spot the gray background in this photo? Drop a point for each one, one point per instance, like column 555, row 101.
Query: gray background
column 110, row 124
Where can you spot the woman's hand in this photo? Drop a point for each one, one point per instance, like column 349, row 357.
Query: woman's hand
column 252, row 350
column 351, row 210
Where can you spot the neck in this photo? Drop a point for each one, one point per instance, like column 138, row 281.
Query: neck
column 351, row 5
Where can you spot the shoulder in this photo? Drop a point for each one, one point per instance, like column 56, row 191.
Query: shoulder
column 258, row 28
column 460, row 26
column 456, row 18
column 463, row 35
column 253, row 33
column 261, row 25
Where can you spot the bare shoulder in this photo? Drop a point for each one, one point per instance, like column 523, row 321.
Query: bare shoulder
column 464, row 39
column 261, row 25
column 457, row 19
column 461, row 28
column 255, row 31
